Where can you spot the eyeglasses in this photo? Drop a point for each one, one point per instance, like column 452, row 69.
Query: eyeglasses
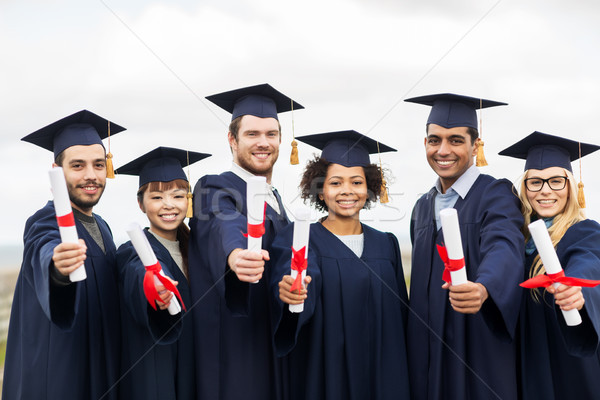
column 554, row 183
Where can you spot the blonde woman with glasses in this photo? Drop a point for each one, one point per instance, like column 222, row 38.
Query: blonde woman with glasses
column 558, row 361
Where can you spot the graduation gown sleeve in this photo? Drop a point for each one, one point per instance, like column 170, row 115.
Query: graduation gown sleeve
column 219, row 225
column 163, row 327
column 40, row 238
column 500, row 247
column 579, row 254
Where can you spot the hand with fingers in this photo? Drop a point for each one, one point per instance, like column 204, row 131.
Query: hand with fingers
column 164, row 294
column 68, row 257
column 467, row 298
column 285, row 290
column 247, row 265
column 567, row 297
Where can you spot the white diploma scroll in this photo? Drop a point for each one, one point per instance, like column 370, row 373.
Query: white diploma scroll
column 300, row 240
column 148, row 258
column 543, row 243
column 255, row 202
column 453, row 243
column 62, row 206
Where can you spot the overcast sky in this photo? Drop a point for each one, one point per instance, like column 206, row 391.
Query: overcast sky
column 148, row 65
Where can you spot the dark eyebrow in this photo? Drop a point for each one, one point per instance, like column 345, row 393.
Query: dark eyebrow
column 352, row 177
column 456, row 136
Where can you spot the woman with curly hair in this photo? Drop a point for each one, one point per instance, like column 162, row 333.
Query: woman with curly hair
column 558, row 361
column 349, row 342
column 158, row 348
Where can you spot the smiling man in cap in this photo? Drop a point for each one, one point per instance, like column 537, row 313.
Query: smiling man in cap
column 232, row 322
column 64, row 337
column 460, row 337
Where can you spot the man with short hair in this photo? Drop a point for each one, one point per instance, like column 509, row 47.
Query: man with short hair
column 460, row 337
column 232, row 322
column 64, row 337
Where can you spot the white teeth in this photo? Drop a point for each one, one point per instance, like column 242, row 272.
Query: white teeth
column 546, row 201
column 262, row 156
column 346, row 201
column 444, row 162
column 168, row 216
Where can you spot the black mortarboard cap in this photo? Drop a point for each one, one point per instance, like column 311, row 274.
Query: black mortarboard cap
column 541, row 151
column 163, row 164
column 453, row 110
column 82, row 128
column 261, row 101
column 347, row 148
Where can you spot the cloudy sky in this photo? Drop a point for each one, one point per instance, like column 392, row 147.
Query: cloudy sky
column 148, row 65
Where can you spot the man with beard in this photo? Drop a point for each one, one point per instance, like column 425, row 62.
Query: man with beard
column 64, row 337
column 232, row 324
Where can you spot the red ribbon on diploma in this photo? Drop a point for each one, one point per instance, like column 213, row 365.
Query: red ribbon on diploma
column 257, row 230
column 66, row 220
column 548, row 279
column 150, row 289
column 298, row 264
column 450, row 265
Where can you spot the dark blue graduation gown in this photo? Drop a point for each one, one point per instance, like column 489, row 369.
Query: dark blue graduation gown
column 557, row 361
column 453, row 355
column 158, row 348
column 63, row 342
column 232, row 325
column 349, row 342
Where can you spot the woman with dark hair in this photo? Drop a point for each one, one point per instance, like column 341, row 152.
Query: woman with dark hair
column 349, row 342
column 558, row 361
column 157, row 360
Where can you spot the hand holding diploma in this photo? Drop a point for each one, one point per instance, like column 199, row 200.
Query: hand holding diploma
column 247, row 265
column 293, row 297
column 154, row 278
column 555, row 275
column 69, row 257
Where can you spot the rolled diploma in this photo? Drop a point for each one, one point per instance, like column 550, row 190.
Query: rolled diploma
column 300, row 240
column 255, row 201
column 147, row 256
column 543, row 243
column 62, row 206
column 453, row 242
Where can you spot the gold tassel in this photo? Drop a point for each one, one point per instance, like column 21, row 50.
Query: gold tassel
column 294, row 155
column 480, row 161
column 110, row 171
column 190, row 210
column 190, row 196
column 383, row 197
column 580, row 195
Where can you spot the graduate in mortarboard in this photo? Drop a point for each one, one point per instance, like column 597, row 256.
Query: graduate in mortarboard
column 558, row 361
column 158, row 348
column 64, row 337
column 461, row 337
column 232, row 322
column 349, row 342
